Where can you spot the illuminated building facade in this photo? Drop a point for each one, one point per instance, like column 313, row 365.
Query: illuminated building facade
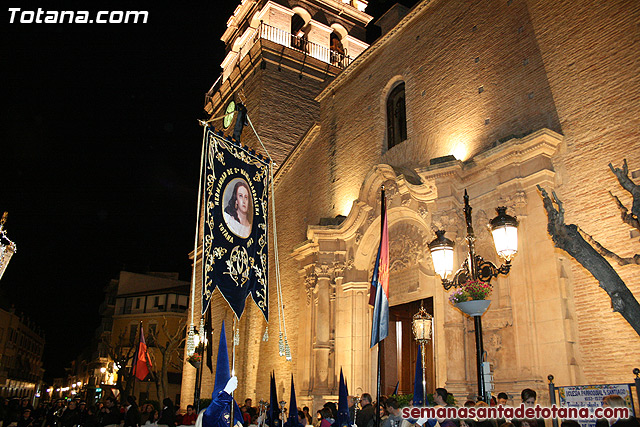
column 495, row 97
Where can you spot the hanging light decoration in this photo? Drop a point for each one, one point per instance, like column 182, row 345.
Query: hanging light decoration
column 7, row 247
column 191, row 343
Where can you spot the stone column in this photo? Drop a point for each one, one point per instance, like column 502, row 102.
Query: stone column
column 352, row 336
column 322, row 344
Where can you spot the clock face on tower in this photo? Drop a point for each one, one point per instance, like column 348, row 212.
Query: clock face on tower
column 230, row 111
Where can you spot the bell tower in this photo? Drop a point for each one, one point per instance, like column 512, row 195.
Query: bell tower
column 279, row 57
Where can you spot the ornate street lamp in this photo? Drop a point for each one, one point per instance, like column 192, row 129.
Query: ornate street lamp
column 504, row 229
column 422, row 326
column 7, row 247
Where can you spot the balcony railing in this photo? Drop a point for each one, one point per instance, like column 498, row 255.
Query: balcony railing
column 301, row 44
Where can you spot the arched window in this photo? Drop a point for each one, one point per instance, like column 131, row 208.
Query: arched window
column 337, row 50
column 396, row 117
column 298, row 34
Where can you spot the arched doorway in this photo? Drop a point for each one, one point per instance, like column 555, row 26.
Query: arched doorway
column 400, row 351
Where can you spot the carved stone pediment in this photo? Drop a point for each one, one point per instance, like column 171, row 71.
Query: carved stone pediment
column 407, row 246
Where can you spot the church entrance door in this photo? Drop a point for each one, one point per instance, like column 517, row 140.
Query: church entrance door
column 400, row 351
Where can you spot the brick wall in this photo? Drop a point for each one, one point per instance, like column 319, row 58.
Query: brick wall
column 590, row 55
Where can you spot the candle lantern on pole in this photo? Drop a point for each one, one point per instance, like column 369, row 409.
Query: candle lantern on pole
column 422, row 326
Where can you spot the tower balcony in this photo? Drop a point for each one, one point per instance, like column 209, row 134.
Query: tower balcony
column 301, row 44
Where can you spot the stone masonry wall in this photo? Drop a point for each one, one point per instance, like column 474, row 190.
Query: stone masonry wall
column 590, row 52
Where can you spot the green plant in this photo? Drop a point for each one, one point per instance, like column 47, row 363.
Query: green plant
column 195, row 359
column 472, row 290
column 404, row 400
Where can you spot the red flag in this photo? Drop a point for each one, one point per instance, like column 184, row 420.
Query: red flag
column 141, row 362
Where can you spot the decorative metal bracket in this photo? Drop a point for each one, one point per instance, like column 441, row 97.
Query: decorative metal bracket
column 485, row 271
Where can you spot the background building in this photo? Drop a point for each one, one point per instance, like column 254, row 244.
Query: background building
column 156, row 300
column 22, row 343
column 522, row 93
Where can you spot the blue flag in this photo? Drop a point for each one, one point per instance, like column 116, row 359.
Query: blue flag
column 344, row 418
column 380, row 282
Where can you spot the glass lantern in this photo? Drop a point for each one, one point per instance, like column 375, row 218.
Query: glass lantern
column 442, row 254
column 505, row 234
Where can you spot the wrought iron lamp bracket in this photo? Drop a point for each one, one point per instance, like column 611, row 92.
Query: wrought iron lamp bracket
column 485, row 271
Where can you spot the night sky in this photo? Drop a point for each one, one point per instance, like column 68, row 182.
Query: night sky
column 100, row 151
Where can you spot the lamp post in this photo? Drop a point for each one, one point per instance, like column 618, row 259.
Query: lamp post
column 504, row 229
column 421, row 325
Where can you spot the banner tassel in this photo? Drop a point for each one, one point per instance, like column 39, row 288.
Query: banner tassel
column 282, row 341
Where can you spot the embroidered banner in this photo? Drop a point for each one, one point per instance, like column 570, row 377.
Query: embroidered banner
column 236, row 235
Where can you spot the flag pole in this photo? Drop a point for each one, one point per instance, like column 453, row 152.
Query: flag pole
column 382, row 221
column 233, row 371
column 199, row 370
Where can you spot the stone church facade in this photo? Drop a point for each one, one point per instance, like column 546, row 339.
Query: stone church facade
column 522, row 93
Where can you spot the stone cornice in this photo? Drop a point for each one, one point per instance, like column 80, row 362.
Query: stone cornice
column 356, row 286
column 542, row 143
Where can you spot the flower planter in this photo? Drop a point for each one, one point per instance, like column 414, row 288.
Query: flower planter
column 474, row 307
column 195, row 364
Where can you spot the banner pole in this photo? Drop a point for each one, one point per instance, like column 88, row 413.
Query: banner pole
column 233, row 371
column 377, row 407
column 199, row 370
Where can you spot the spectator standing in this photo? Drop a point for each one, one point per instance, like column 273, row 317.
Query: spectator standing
column 168, row 415
column 70, row 416
column 153, row 419
column 325, row 417
column 307, row 415
column 528, row 397
column 26, row 420
column 367, row 411
column 616, row 401
column 190, row 417
column 110, row 415
column 395, row 417
column 132, row 414
column 91, row 417
column 147, row 411
column 440, row 396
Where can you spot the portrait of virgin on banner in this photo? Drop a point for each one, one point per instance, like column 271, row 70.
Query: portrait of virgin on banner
column 235, row 247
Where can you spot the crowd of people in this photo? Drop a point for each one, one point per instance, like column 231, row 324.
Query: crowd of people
column 110, row 413
column 107, row 413
column 391, row 415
